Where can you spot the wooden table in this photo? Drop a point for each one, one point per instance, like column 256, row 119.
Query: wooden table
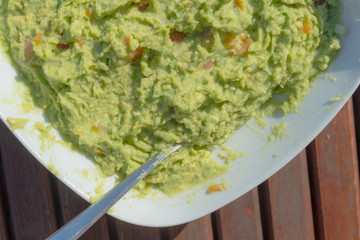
column 316, row 196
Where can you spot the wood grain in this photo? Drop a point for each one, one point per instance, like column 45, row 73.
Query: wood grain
column 125, row 231
column 28, row 190
column 71, row 205
column 198, row 229
column 335, row 179
column 288, row 202
column 240, row 219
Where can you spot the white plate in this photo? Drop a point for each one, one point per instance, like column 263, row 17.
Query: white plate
column 158, row 210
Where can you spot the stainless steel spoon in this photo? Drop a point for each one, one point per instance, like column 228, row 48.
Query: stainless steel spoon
column 76, row 227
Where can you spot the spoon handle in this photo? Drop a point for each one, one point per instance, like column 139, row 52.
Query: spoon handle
column 76, row 227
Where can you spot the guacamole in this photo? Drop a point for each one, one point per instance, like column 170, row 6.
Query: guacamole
column 124, row 78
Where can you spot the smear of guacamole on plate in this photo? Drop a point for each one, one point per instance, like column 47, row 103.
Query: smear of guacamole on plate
column 124, row 78
column 278, row 132
column 17, row 123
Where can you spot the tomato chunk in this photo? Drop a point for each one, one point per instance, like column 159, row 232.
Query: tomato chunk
column 307, row 27
column 217, row 188
column 135, row 54
column 63, row 46
column 239, row 4
column 177, row 36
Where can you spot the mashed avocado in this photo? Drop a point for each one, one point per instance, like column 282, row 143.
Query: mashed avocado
column 124, row 78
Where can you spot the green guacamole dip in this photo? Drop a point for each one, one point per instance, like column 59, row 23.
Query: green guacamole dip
column 124, row 78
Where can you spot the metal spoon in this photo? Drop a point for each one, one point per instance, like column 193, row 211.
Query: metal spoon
column 76, row 227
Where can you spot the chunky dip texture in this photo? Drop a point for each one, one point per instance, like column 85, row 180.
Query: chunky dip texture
column 124, row 78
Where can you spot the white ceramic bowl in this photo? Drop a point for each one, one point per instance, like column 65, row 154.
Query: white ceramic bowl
column 158, row 210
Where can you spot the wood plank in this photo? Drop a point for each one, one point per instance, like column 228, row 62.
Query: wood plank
column 125, row 231
column 4, row 227
column 71, row 205
column 240, row 219
column 334, row 176
column 288, row 202
column 198, row 229
column 356, row 103
column 30, row 200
